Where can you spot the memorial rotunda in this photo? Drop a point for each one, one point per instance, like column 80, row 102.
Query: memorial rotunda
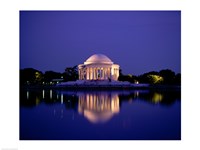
column 98, row 67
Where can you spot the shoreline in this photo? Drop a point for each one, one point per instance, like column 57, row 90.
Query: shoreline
column 101, row 87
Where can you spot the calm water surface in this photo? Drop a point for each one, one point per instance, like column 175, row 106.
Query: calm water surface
column 100, row 115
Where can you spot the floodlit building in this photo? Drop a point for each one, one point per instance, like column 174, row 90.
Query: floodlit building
column 98, row 67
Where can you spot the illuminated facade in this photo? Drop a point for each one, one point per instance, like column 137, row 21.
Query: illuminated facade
column 98, row 67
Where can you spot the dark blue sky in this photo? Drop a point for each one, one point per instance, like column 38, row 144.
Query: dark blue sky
column 139, row 41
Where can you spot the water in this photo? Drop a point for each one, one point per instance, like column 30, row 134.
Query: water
column 100, row 115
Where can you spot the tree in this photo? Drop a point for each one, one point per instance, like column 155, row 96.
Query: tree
column 168, row 76
column 71, row 74
column 130, row 78
column 149, row 77
column 177, row 79
column 38, row 77
column 30, row 76
column 155, row 79
column 49, row 75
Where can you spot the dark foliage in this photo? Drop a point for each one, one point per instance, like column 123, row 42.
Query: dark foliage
column 163, row 77
column 50, row 75
column 71, row 74
column 30, row 76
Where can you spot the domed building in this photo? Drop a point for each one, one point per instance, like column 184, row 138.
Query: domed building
column 98, row 67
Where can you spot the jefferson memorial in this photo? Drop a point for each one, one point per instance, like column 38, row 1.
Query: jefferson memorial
column 98, row 67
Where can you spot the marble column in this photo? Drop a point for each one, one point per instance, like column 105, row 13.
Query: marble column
column 107, row 73
column 86, row 73
column 110, row 73
column 102, row 74
column 95, row 73
column 90, row 73
column 80, row 75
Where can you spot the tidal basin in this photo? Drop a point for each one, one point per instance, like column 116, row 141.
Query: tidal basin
column 50, row 114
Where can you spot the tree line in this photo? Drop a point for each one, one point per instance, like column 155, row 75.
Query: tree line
column 30, row 76
column 165, row 76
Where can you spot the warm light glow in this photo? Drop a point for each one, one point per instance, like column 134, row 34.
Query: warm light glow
column 37, row 101
column 155, row 79
column 61, row 98
column 50, row 94
column 37, row 75
column 43, row 94
column 92, row 117
column 136, row 93
column 115, row 104
column 27, row 94
column 98, row 108
column 157, row 97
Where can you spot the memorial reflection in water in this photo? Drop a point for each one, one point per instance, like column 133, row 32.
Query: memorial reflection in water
column 84, row 115
column 98, row 107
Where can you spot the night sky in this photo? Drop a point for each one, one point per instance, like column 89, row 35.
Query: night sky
column 139, row 41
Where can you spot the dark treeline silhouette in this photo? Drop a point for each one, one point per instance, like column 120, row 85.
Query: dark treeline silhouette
column 164, row 77
column 30, row 76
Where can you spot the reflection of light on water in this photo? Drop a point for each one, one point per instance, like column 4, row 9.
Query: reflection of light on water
column 50, row 94
column 58, row 113
column 61, row 116
column 37, row 101
column 130, row 100
column 27, row 94
column 157, row 97
column 61, row 98
column 54, row 112
column 98, row 107
column 115, row 104
column 43, row 94
column 57, row 96
column 137, row 93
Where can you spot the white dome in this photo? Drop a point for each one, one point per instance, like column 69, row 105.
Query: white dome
column 98, row 58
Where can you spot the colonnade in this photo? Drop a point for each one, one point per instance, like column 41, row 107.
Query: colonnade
column 95, row 73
